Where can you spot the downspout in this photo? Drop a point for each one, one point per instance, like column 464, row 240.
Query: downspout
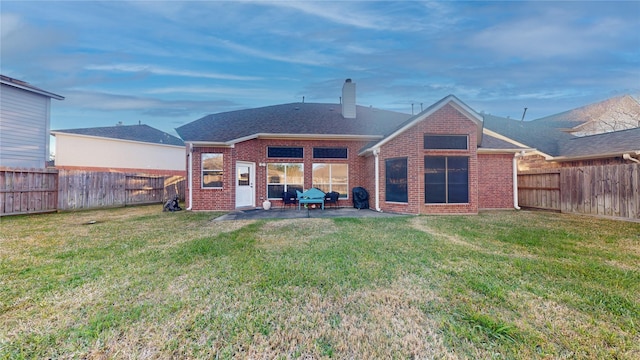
column 515, row 179
column 376, row 153
column 628, row 157
column 190, row 175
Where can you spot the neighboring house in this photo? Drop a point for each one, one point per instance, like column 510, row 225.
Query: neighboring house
column 615, row 114
column 603, row 133
column 121, row 148
column 24, row 124
column 438, row 161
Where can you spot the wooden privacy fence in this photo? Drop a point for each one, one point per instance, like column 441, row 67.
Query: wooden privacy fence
column 608, row 190
column 24, row 191
column 539, row 189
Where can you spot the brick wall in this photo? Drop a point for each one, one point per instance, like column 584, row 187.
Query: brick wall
column 410, row 144
column 255, row 151
column 495, row 180
column 213, row 198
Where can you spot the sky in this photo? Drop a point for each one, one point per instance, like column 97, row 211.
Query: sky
column 167, row 63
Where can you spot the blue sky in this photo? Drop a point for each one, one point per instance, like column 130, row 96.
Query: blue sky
column 168, row 63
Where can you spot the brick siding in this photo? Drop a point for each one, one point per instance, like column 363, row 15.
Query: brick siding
column 410, row 144
column 495, row 179
column 255, row 151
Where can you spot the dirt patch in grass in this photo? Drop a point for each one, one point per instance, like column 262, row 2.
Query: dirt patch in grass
column 378, row 323
column 563, row 330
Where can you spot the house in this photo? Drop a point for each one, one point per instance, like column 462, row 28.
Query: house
column 606, row 132
column 25, row 112
column 122, row 148
column 439, row 161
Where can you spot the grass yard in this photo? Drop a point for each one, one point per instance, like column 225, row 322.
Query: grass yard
column 140, row 283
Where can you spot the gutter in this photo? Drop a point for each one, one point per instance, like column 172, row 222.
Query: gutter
column 593, row 157
column 376, row 153
column 190, row 175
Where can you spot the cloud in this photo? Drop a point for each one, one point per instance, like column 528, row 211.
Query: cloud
column 305, row 57
column 235, row 92
column 406, row 16
column 157, row 70
column 21, row 40
column 101, row 101
column 549, row 33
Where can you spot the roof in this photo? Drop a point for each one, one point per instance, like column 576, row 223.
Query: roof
column 618, row 142
column 317, row 120
column 28, row 87
column 293, row 119
column 549, row 134
column 141, row 133
column 541, row 136
column 497, row 142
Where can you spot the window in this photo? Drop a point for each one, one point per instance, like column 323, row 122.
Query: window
column 283, row 177
column 396, row 180
column 329, row 153
column 212, row 170
column 332, row 177
column 285, row 152
column 446, row 142
column 446, row 179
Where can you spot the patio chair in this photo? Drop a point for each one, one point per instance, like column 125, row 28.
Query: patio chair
column 332, row 198
column 289, row 198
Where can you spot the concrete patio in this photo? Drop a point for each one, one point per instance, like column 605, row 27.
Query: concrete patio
column 294, row 213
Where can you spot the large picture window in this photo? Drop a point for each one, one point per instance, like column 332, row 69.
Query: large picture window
column 396, row 180
column 446, row 142
column 212, row 170
column 284, row 177
column 332, row 177
column 446, row 179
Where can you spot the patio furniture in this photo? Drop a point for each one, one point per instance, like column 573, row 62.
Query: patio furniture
column 332, row 198
column 360, row 198
column 311, row 196
column 289, row 198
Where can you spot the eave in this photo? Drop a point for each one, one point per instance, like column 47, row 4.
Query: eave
column 232, row 142
column 505, row 151
column 33, row 90
column 594, row 156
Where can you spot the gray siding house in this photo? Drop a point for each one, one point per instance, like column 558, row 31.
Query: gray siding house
column 24, row 124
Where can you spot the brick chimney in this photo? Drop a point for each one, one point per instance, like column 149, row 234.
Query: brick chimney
column 349, row 100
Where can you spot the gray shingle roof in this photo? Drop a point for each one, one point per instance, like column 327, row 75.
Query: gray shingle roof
column 293, row 118
column 490, row 142
column 624, row 141
column 537, row 135
column 141, row 133
column 304, row 119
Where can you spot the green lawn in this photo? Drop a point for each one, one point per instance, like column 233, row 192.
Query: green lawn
column 140, row 283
